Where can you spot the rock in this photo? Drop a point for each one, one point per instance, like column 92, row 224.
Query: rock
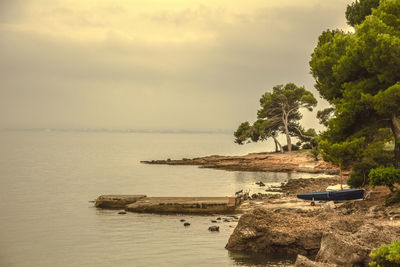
column 329, row 205
column 254, row 196
column 350, row 245
column 122, row 212
column 219, row 218
column 260, row 183
column 182, row 220
column 186, row 224
column 302, row 261
column 213, row 221
column 226, row 220
column 263, row 231
column 213, row 228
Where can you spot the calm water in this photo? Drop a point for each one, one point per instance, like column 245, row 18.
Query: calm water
column 48, row 178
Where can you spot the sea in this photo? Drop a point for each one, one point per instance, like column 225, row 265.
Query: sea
column 48, row 180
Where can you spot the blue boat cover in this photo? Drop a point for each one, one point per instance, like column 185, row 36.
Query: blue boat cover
column 349, row 194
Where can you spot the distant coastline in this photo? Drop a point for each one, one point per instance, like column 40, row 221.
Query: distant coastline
column 110, row 130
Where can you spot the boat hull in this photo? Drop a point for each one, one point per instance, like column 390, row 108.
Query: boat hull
column 350, row 194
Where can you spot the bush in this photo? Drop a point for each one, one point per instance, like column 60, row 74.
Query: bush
column 359, row 174
column 388, row 256
column 306, row 146
column 315, row 153
column 393, row 199
column 294, row 147
column 384, row 176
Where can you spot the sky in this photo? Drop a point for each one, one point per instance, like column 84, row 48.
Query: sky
column 154, row 64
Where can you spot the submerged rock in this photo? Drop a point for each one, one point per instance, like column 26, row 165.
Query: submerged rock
column 213, row 228
column 186, row 224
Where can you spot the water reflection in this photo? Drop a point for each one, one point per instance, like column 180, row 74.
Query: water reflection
column 253, row 259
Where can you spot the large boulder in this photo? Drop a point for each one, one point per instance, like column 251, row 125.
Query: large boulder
column 265, row 231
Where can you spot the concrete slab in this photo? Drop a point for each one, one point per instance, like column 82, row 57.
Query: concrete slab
column 116, row 201
column 194, row 205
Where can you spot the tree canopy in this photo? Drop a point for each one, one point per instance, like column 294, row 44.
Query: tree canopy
column 357, row 11
column 359, row 73
column 279, row 112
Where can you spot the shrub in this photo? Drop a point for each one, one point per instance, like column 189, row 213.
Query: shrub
column 393, row 199
column 315, row 153
column 294, row 147
column 386, row 255
column 359, row 174
column 307, row 146
column 384, row 176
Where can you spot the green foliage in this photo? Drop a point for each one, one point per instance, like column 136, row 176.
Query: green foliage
column 393, row 199
column 279, row 113
column 242, row 133
column 359, row 74
column 359, row 173
column 325, row 115
column 342, row 154
column 384, row 176
column 315, row 153
column 357, row 11
column 386, row 256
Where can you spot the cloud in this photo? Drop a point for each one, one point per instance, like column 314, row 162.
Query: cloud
column 137, row 64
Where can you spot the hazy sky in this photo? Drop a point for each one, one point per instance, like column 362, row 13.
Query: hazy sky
column 159, row 64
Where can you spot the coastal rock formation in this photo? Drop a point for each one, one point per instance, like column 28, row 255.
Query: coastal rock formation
column 301, row 161
column 326, row 235
column 350, row 245
column 264, row 231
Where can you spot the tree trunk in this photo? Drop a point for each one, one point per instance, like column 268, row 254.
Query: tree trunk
column 277, row 143
column 396, row 132
column 285, row 123
column 341, row 176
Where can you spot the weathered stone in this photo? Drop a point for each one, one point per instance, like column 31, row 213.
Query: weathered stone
column 263, row 231
column 302, row 261
column 351, row 246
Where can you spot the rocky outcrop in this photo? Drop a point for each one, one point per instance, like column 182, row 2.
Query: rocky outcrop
column 265, row 231
column 326, row 235
column 301, row 161
column 351, row 245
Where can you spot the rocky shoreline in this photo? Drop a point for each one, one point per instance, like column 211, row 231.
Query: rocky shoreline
column 329, row 234
column 276, row 222
column 296, row 161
